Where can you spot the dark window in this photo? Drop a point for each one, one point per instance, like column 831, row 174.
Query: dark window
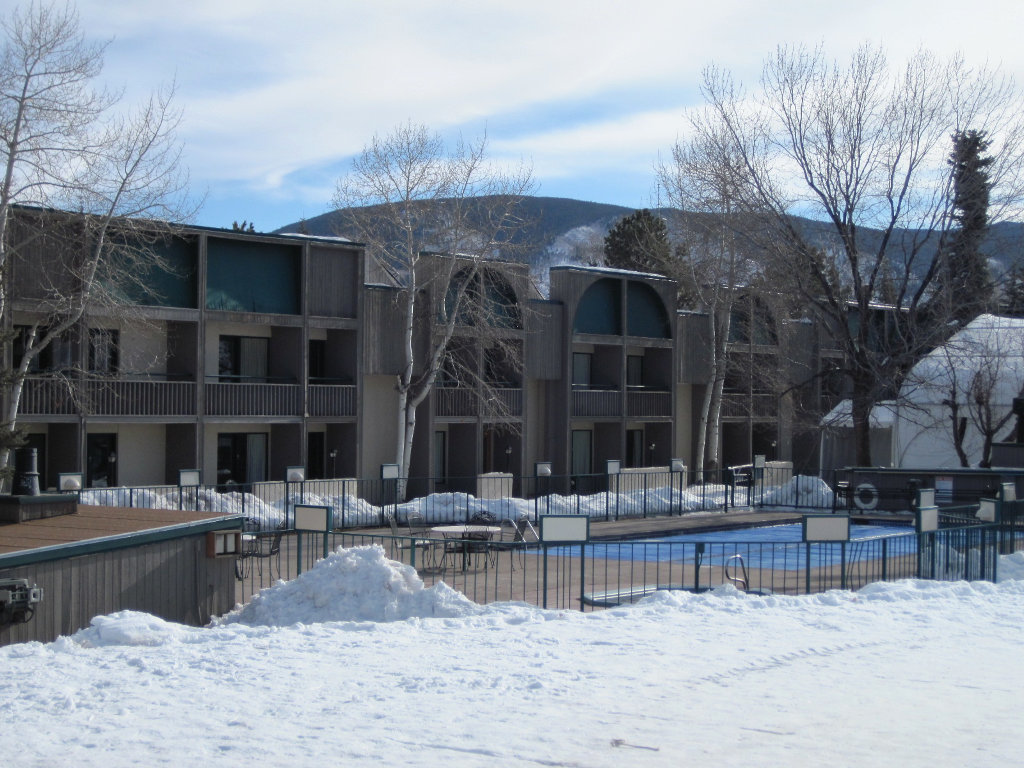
column 104, row 350
column 634, row 447
column 241, row 457
column 600, row 309
column 646, row 313
column 101, row 460
column 581, row 365
column 634, row 370
column 317, row 358
column 582, row 454
column 242, row 358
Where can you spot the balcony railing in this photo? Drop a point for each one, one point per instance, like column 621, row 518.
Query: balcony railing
column 47, row 397
column 455, row 402
column 647, row 403
column 757, row 406
column 332, row 400
column 44, row 396
column 596, row 403
column 229, row 399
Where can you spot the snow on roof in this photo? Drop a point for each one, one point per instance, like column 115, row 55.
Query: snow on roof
column 610, row 271
column 989, row 342
column 883, row 414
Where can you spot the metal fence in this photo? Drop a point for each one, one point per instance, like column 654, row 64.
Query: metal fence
column 363, row 503
column 602, row 574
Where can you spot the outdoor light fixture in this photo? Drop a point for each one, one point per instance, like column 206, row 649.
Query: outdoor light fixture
column 69, row 481
column 112, row 458
column 188, row 478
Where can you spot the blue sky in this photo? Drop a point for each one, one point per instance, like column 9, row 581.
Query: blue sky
column 278, row 97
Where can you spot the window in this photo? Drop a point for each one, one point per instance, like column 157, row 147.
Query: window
column 242, row 358
column 634, row 370
column 317, row 358
column 104, row 350
column 241, row 457
column 581, row 363
column 582, row 453
column 58, row 355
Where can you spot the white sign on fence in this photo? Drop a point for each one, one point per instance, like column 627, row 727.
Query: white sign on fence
column 312, row 518
column 826, row 528
column 564, row 529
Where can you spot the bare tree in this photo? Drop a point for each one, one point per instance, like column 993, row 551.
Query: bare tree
column 66, row 145
column 860, row 149
column 710, row 263
column 409, row 198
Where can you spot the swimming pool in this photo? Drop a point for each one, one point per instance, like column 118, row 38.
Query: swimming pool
column 778, row 547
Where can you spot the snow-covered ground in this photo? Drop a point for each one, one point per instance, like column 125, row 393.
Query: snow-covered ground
column 356, row 663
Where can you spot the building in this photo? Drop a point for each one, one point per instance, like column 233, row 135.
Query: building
column 245, row 354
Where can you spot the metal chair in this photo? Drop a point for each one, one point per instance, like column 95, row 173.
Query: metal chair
column 404, row 541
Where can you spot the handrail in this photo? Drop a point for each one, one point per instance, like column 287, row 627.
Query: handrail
column 742, row 581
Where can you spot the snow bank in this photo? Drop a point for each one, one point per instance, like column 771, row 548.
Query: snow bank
column 358, row 584
column 801, row 491
column 1011, row 567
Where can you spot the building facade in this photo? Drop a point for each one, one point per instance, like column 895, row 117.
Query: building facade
column 249, row 353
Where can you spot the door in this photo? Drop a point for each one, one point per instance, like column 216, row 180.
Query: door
column 101, row 460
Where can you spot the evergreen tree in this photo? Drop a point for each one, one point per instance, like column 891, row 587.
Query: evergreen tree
column 964, row 281
column 638, row 242
column 1011, row 302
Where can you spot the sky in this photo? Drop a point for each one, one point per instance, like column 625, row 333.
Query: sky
column 357, row 663
column 279, row 97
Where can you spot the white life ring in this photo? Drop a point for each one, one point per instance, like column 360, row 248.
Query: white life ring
column 865, row 496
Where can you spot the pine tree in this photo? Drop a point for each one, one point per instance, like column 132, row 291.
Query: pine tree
column 638, row 242
column 1011, row 302
column 965, row 280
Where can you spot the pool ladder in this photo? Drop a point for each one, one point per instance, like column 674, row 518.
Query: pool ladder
column 741, row 581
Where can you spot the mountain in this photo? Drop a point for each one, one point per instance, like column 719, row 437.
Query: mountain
column 566, row 231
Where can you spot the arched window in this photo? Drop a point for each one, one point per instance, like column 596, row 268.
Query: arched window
column 489, row 299
column 600, row 309
column 646, row 312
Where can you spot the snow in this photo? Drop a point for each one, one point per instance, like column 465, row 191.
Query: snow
column 267, row 512
column 356, row 663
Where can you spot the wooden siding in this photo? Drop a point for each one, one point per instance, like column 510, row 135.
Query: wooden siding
column 173, row 579
column 694, row 360
column 382, row 353
column 333, row 283
column 544, row 328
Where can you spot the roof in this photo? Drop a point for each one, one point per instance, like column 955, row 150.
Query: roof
column 106, row 528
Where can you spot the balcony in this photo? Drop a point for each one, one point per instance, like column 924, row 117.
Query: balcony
column 596, row 403
column 251, row 399
column 464, row 402
column 141, row 396
column 742, row 406
column 641, row 403
column 332, row 400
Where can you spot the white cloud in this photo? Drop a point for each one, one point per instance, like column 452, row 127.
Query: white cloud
column 271, row 89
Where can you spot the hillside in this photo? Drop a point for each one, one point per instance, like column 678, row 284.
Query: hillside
column 566, row 231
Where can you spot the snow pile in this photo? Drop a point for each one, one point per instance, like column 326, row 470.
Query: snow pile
column 1011, row 567
column 131, row 628
column 801, row 491
column 358, row 584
